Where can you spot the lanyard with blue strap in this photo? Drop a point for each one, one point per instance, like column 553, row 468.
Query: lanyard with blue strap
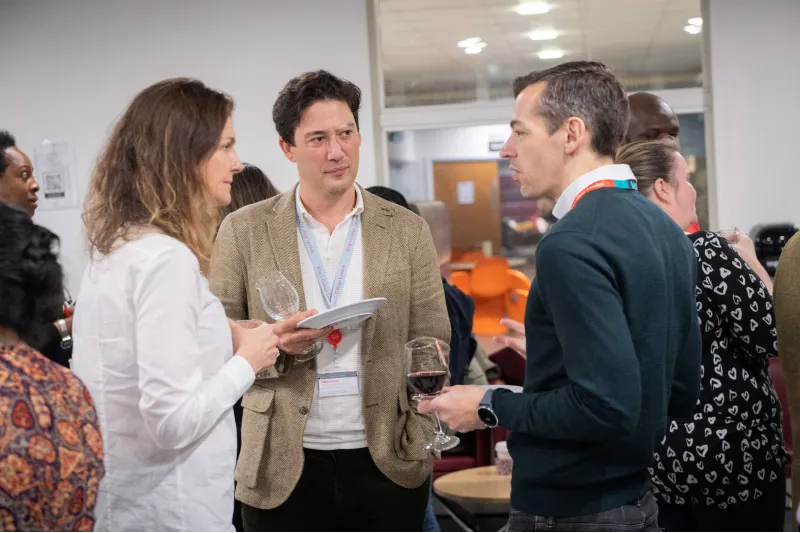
column 331, row 293
column 629, row 184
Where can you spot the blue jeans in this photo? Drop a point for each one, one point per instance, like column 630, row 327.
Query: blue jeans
column 430, row 523
column 642, row 515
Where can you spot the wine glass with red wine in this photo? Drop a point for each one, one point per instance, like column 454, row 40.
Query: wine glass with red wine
column 426, row 364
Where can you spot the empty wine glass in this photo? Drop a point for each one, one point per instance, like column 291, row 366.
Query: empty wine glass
column 280, row 301
column 278, row 296
column 426, row 372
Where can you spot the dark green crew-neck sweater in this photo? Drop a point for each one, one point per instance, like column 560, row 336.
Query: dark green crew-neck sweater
column 613, row 346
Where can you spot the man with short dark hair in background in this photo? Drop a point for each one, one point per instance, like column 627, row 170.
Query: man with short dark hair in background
column 613, row 342
column 651, row 118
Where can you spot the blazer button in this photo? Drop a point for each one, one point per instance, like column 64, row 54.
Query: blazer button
column 304, row 410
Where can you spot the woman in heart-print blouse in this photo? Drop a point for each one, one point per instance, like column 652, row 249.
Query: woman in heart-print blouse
column 723, row 468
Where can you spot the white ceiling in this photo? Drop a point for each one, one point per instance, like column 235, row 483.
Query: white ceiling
column 642, row 40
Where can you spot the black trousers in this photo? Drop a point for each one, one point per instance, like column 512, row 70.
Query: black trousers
column 767, row 513
column 343, row 490
column 237, row 505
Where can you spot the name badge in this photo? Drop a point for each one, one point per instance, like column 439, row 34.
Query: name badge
column 338, row 384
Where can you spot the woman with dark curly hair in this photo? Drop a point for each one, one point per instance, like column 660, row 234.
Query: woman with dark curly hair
column 18, row 187
column 51, row 451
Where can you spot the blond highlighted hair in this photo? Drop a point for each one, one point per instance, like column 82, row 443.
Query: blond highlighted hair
column 649, row 161
column 149, row 174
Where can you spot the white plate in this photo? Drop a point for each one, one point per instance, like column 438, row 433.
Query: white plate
column 345, row 316
column 512, row 388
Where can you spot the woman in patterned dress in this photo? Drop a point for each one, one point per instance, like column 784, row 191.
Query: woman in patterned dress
column 723, row 468
column 51, row 451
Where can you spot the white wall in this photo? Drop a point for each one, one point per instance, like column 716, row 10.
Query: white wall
column 753, row 75
column 415, row 180
column 71, row 66
column 460, row 143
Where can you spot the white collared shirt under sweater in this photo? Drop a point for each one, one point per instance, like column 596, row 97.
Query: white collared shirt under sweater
column 335, row 422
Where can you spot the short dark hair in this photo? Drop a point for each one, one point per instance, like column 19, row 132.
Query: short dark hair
column 306, row 89
column 587, row 90
column 389, row 194
column 6, row 141
column 249, row 186
column 31, row 280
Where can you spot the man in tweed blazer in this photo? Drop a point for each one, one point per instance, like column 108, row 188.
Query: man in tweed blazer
column 313, row 458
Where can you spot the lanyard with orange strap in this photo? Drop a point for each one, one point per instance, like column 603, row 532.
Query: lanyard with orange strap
column 629, row 185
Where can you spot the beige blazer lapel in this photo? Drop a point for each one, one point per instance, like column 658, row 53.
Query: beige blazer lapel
column 282, row 230
column 376, row 239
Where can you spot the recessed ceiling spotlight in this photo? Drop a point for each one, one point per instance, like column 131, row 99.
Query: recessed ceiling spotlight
column 694, row 30
column 475, row 48
column 543, row 34
column 533, row 8
column 553, row 53
column 466, row 43
column 696, row 21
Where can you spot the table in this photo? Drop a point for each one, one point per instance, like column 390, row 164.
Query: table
column 481, row 485
column 513, row 262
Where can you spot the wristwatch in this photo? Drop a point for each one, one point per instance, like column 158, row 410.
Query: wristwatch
column 485, row 411
column 66, row 338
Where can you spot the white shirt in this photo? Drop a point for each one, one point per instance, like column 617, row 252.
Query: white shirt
column 335, row 422
column 153, row 347
column 607, row 172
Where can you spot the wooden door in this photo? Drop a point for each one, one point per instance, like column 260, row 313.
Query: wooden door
column 470, row 191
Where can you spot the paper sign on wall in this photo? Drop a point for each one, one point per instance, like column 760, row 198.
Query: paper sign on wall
column 466, row 192
column 496, row 142
column 54, row 174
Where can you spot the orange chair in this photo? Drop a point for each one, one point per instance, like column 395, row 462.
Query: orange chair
column 463, row 280
column 471, row 257
column 490, row 285
column 516, row 303
column 518, row 280
column 517, row 297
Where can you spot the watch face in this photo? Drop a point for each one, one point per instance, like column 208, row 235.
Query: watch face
column 487, row 417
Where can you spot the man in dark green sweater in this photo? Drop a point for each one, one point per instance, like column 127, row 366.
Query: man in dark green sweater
column 613, row 341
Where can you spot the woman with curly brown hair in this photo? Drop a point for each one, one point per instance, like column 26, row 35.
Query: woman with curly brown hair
column 51, row 451
column 152, row 343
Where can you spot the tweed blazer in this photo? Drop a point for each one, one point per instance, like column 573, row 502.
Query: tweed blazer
column 400, row 264
column 786, row 296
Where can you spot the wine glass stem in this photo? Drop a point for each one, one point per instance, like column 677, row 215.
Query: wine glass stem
column 437, row 423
